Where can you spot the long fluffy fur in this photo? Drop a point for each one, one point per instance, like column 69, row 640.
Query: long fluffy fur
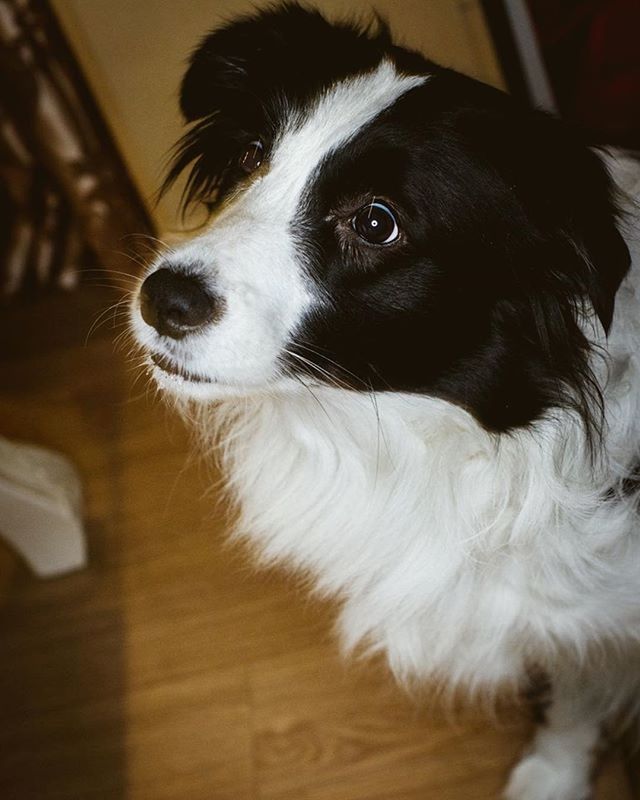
column 473, row 505
column 427, row 527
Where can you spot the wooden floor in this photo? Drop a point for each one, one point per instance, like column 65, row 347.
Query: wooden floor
column 169, row 670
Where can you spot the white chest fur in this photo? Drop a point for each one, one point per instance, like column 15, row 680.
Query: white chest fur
column 461, row 554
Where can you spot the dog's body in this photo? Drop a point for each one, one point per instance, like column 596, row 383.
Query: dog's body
column 424, row 345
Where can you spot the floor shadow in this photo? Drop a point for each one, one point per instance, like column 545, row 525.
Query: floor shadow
column 62, row 686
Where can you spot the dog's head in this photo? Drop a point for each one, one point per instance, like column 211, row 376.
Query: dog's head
column 377, row 222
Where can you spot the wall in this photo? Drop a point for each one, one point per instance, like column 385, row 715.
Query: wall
column 133, row 54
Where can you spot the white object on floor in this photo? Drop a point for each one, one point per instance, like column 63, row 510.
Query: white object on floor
column 40, row 508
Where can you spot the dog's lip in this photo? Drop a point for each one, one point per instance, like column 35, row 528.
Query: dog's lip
column 171, row 368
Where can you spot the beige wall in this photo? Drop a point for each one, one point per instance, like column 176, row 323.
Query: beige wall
column 133, row 53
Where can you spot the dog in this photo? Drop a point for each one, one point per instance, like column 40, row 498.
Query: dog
column 414, row 314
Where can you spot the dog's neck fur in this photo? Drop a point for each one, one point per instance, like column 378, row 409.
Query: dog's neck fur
column 501, row 536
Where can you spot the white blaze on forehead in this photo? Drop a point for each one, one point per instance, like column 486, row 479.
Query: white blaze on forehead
column 337, row 116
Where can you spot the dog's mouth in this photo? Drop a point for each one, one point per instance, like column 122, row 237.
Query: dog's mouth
column 175, row 370
column 171, row 376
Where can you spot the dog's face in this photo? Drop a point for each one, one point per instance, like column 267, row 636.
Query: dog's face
column 377, row 222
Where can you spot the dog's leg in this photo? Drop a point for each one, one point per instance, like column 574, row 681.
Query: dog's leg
column 559, row 764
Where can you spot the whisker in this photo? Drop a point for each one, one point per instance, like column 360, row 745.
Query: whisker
column 116, row 281
column 135, row 259
column 108, row 271
column 100, row 319
column 312, row 393
column 148, row 238
column 93, row 284
column 326, row 358
column 123, row 339
column 331, row 379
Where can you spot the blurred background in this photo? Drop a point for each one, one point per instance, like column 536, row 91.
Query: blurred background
column 140, row 657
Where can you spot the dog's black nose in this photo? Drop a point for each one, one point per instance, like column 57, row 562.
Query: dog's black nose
column 176, row 304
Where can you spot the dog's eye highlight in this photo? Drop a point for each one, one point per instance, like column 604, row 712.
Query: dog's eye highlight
column 376, row 224
column 251, row 157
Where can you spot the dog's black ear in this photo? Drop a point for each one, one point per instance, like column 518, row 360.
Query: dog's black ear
column 228, row 63
column 583, row 200
column 589, row 256
column 568, row 198
column 597, row 237
column 284, row 50
column 609, row 260
column 237, row 81
column 243, row 79
column 240, row 60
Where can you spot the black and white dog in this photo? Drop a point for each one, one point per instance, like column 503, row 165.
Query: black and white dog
column 415, row 316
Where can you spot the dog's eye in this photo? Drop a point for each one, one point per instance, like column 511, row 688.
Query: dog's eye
column 251, row 157
column 376, row 224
